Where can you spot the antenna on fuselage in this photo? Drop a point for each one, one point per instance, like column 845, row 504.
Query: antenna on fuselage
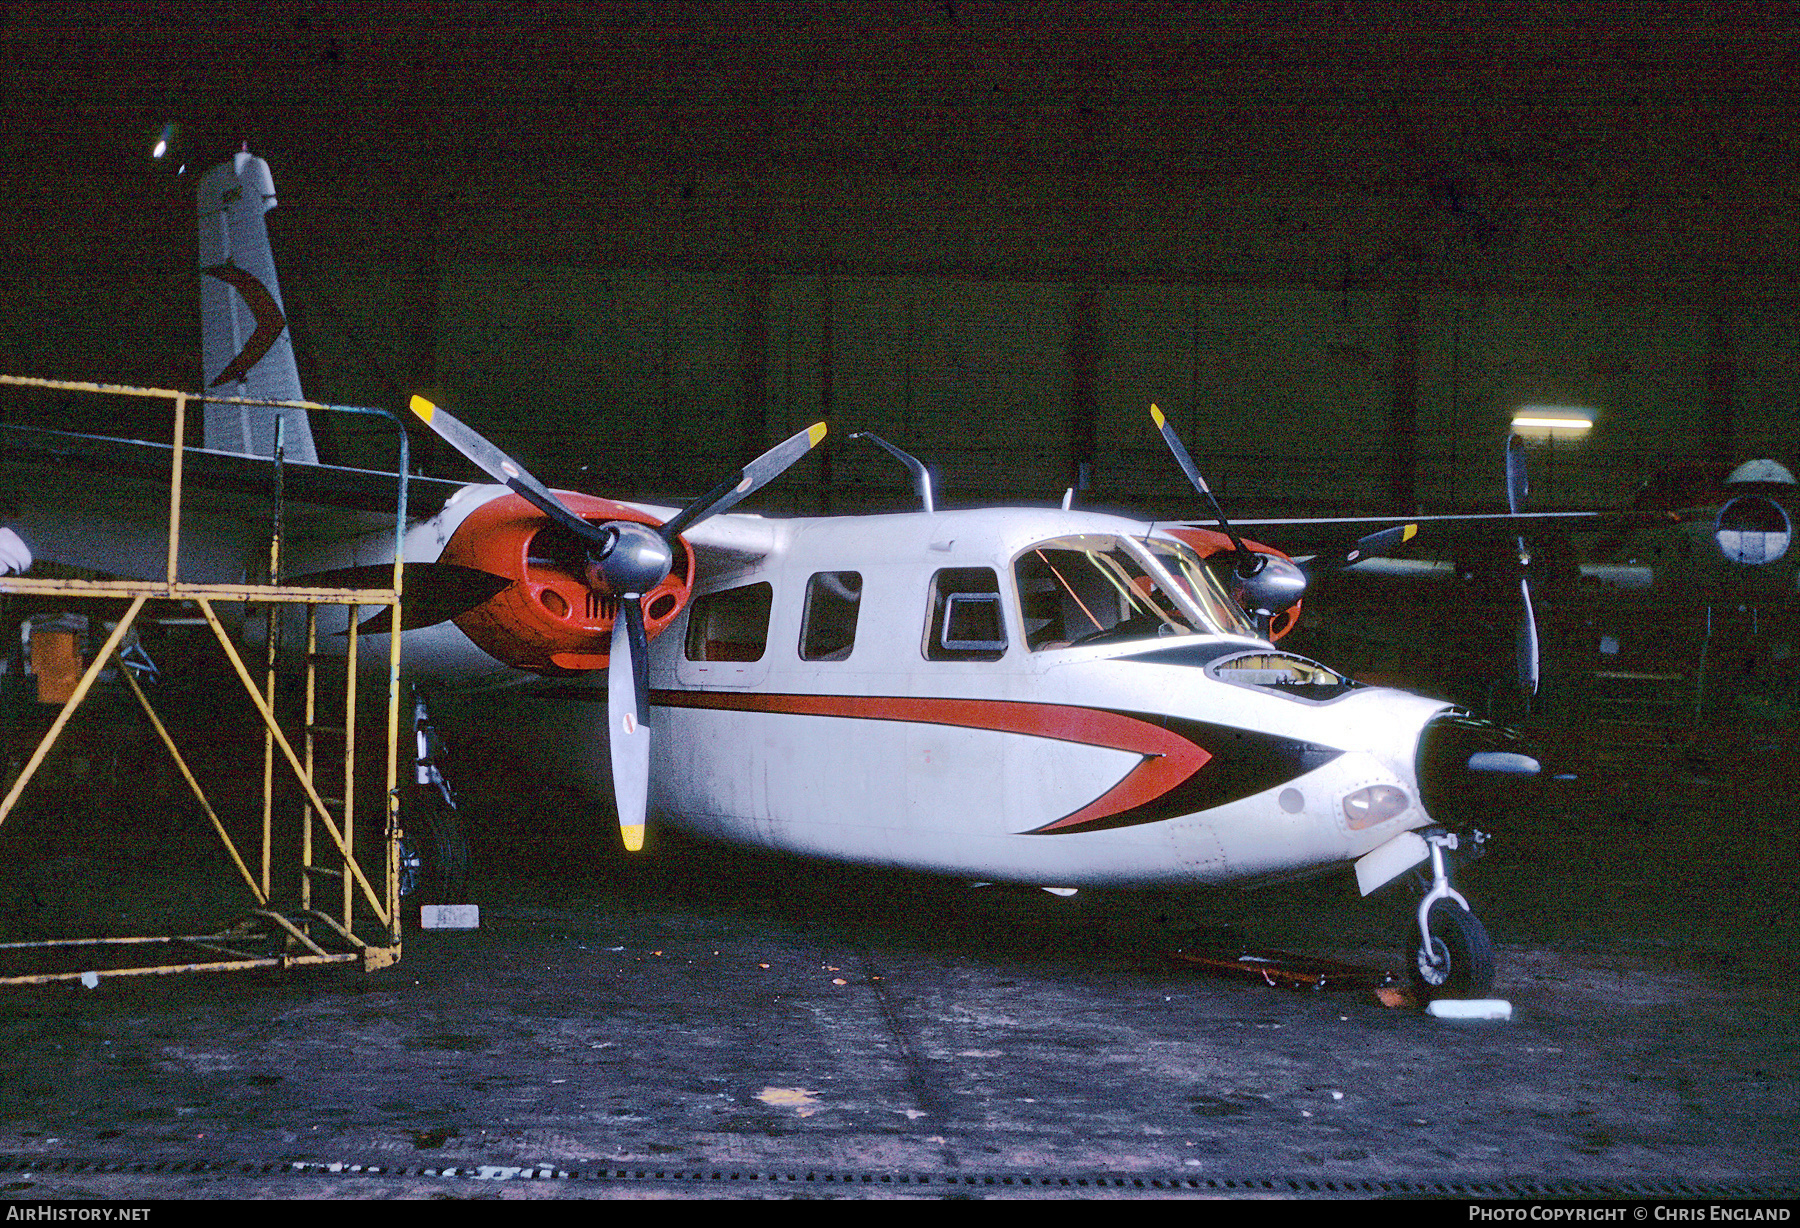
column 921, row 475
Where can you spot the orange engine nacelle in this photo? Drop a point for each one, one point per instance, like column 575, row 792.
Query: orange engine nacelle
column 549, row 620
column 1208, row 542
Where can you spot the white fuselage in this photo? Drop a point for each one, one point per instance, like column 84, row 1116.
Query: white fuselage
column 1112, row 764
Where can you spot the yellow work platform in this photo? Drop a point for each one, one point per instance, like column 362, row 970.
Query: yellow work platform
column 340, row 902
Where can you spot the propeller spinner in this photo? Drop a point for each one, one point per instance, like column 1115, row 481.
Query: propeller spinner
column 625, row 560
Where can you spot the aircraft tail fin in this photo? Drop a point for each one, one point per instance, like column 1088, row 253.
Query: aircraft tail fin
column 245, row 346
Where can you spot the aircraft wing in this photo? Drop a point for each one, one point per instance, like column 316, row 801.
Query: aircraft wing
column 99, row 503
column 1501, row 518
column 1300, row 536
column 723, row 544
column 1454, row 544
column 1623, row 576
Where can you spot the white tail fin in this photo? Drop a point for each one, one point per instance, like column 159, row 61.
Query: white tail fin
column 245, row 347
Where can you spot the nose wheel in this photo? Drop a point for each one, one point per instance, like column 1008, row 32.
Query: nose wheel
column 1455, row 958
column 1450, row 954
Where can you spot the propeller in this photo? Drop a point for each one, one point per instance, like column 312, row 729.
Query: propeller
column 1263, row 583
column 1525, row 643
column 625, row 560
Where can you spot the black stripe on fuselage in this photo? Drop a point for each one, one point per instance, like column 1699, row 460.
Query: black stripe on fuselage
column 1244, row 762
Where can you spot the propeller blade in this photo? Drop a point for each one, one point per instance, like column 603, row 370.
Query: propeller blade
column 627, row 697
column 1370, row 546
column 1518, row 482
column 751, row 478
column 1188, row 467
column 1518, row 485
column 1263, row 584
column 505, row 470
column 1526, row 643
column 431, row 592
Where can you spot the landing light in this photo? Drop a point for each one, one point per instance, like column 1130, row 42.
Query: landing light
column 1375, row 804
column 166, row 138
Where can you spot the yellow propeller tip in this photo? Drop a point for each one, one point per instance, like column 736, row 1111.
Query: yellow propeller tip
column 814, row 433
column 633, row 836
column 420, row 406
column 1156, row 415
column 1411, row 529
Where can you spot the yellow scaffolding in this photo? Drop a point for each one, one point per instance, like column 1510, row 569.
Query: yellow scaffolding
column 309, row 930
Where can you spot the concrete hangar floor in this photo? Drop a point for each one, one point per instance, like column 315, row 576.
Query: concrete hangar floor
column 705, row 1023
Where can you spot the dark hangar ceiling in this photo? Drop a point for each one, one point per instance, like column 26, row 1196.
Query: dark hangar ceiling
column 642, row 232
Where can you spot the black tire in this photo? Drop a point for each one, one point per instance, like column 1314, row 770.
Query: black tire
column 434, row 855
column 1463, row 966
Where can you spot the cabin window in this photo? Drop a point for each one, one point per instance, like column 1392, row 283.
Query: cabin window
column 828, row 630
column 966, row 619
column 732, row 625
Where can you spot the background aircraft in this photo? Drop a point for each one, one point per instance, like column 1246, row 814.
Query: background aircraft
column 1676, row 609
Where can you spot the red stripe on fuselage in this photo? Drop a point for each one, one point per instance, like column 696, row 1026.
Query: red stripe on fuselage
column 1169, row 758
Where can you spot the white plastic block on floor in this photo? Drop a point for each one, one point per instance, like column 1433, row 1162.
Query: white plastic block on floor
column 1471, row 1008
column 449, row 916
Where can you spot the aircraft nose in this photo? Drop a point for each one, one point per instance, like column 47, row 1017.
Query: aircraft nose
column 1473, row 772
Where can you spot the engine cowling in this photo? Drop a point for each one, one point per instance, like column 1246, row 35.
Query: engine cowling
column 549, row 620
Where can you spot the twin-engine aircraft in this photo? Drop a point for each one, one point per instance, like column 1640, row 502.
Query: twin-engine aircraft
column 1045, row 697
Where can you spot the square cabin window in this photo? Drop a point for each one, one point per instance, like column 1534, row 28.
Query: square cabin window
column 732, row 625
column 828, row 631
column 966, row 619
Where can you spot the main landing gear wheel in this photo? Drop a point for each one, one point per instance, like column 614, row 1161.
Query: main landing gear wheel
column 1458, row 963
column 434, row 856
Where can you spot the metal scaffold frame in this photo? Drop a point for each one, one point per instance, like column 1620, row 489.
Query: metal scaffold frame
column 310, row 929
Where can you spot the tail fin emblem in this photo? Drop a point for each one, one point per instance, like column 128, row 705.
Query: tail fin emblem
column 267, row 313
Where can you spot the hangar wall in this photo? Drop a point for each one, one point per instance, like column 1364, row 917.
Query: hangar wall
column 1338, row 248
column 651, row 378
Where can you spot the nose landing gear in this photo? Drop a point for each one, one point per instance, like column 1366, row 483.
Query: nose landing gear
column 1450, row 954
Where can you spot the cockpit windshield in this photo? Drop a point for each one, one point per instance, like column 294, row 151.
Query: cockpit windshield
column 1095, row 588
column 1202, row 586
